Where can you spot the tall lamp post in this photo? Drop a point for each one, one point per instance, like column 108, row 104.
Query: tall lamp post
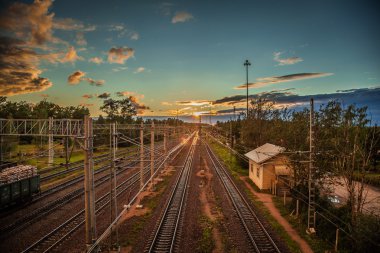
column 247, row 64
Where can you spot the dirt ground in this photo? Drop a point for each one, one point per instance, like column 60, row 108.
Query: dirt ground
column 267, row 201
column 209, row 208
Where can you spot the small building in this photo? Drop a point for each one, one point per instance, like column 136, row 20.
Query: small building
column 269, row 168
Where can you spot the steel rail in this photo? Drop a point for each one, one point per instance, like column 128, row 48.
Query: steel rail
column 165, row 234
column 53, row 238
column 257, row 233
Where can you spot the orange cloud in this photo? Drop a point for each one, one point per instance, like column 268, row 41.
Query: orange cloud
column 181, row 16
column 96, row 60
column 86, row 105
column 70, row 24
column 194, row 102
column 132, row 94
column 87, row 96
column 71, row 56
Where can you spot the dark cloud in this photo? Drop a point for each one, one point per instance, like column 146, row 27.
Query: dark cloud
column 120, row 54
column 76, row 77
column 261, row 82
column 361, row 97
column 31, row 22
column 19, row 72
column 94, row 82
column 104, row 95
column 79, row 76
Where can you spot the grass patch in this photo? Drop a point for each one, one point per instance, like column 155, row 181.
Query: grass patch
column 317, row 245
column 138, row 224
column 206, row 243
column 231, row 161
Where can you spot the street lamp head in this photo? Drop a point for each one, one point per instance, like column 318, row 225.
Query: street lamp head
column 247, row 63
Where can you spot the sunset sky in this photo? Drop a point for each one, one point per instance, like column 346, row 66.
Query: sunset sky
column 187, row 55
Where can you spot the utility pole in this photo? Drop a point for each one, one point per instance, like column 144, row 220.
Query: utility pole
column 92, row 183
column 113, row 199
column 165, row 146
column 116, row 140
column 88, row 183
column 210, row 115
column 234, row 113
column 66, row 140
column 142, row 155
column 231, row 138
column 50, row 142
column 200, row 126
column 311, row 206
column 247, row 64
column 1, row 150
column 152, row 154
column 66, row 143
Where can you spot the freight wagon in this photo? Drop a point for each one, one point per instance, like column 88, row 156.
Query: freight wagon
column 18, row 184
column 19, row 191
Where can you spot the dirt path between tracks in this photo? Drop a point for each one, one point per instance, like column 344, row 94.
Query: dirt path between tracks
column 267, row 201
column 206, row 198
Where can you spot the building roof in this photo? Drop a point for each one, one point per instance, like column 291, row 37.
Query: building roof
column 264, row 153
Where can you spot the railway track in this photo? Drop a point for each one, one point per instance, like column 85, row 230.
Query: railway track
column 165, row 235
column 256, row 232
column 77, row 179
column 50, row 169
column 54, row 238
column 41, row 212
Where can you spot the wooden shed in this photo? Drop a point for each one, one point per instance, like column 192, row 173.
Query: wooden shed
column 269, row 168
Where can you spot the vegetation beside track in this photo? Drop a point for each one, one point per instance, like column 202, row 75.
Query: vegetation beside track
column 206, row 243
column 237, row 170
column 138, row 222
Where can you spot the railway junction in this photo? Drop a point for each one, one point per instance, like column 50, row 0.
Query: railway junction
column 169, row 192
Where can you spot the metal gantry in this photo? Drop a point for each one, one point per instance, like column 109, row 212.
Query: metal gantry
column 41, row 127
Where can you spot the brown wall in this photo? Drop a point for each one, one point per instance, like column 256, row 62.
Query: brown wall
column 267, row 172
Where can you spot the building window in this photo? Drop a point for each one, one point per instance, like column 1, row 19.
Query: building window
column 258, row 172
column 251, row 167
